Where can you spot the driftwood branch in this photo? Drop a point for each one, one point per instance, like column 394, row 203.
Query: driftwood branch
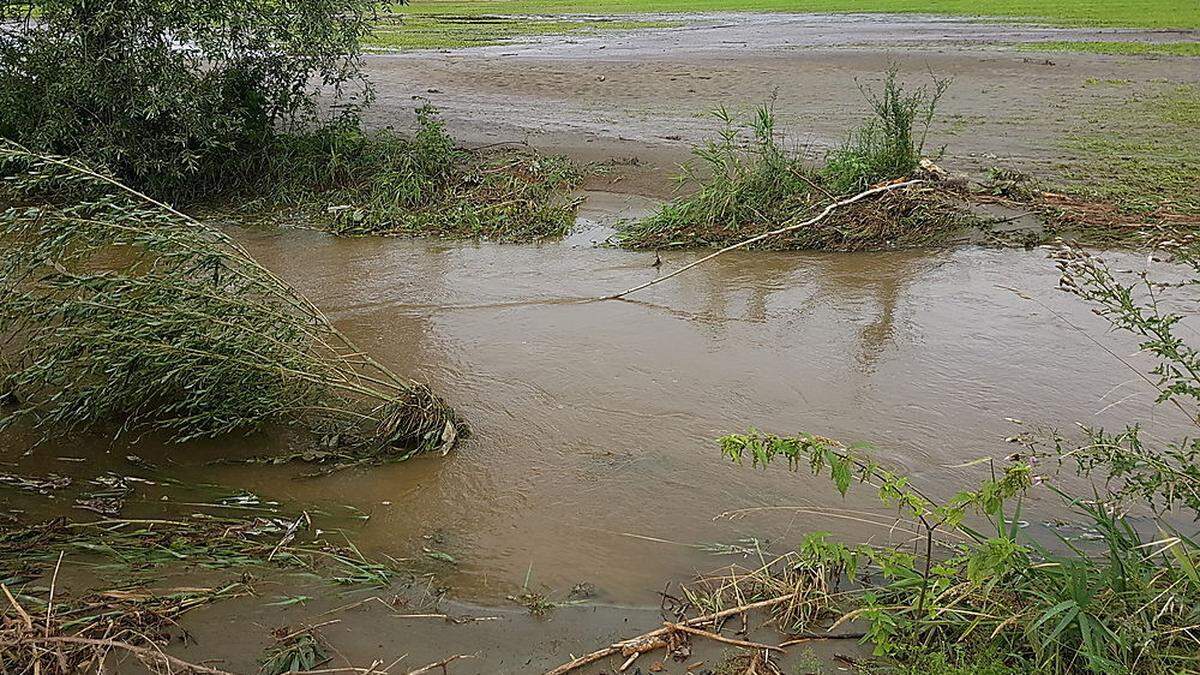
column 800, row 638
column 648, row 638
column 788, row 228
column 721, row 638
column 440, row 664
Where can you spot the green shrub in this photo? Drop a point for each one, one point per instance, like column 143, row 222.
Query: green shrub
column 166, row 94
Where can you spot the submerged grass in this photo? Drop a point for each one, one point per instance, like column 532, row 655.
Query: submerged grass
column 417, row 31
column 1115, row 48
column 749, row 182
column 356, row 182
column 75, row 630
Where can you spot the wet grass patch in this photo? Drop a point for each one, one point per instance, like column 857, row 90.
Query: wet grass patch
column 356, row 182
column 1147, row 14
column 1142, row 155
column 1115, row 48
column 421, row 31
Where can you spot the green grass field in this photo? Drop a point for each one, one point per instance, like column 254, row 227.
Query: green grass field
column 1130, row 13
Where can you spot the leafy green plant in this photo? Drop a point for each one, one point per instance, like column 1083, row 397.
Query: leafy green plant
column 123, row 310
column 1124, row 598
column 1121, row 605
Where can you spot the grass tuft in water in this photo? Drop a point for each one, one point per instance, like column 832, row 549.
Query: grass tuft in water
column 357, row 182
column 749, row 181
column 890, row 143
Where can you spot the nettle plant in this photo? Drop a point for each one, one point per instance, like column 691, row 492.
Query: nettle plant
column 1117, row 591
column 915, row 580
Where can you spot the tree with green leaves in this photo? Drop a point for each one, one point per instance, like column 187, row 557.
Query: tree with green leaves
column 167, row 93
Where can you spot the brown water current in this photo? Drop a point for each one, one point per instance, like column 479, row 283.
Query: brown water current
column 593, row 458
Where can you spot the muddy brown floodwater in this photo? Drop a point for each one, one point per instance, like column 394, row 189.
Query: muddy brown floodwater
column 593, row 459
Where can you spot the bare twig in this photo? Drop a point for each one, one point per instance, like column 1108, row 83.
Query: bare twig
column 616, row 647
column 800, row 638
column 440, row 664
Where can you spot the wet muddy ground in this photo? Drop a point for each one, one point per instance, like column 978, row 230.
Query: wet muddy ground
column 646, row 94
column 592, row 463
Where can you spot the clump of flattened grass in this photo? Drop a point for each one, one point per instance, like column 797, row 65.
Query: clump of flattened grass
column 358, row 182
column 750, row 182
column 294, row 651
column 1086, row 219
column 119, row 310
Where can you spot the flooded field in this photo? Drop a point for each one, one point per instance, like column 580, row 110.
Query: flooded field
column 647, row 94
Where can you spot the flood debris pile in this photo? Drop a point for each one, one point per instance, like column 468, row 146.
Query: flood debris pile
column 357, row 182
column 119, row 310
column 1085, row 219
column 749, row 181
column 49, row 626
